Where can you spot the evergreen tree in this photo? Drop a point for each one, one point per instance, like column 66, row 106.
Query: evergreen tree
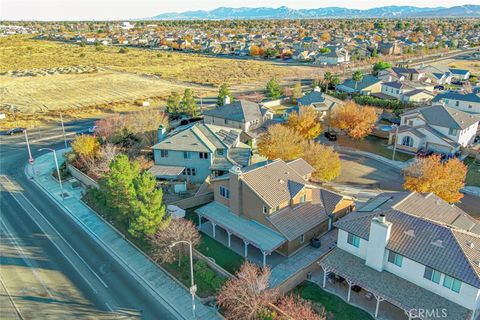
column 223, row 92
column 173, row 104
column 189, row 105
column 357, row 77
column 273, row 89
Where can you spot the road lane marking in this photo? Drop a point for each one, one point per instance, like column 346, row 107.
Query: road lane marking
column 108, row 306
column 24, row 257
column 56, row 245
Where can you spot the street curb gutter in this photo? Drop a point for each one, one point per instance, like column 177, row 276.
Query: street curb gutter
column 110, row 251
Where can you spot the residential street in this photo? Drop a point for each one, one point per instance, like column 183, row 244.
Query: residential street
column 49, row 266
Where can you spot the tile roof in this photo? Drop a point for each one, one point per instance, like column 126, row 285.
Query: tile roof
column 428, row 230
column 301, row 166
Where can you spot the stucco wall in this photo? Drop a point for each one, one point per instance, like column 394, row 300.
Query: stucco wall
column 175, row 158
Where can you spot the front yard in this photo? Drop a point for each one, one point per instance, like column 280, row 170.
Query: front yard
column 335, row 307
column 473, row 174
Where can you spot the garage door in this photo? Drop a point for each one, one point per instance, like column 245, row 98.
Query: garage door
column 439, row 148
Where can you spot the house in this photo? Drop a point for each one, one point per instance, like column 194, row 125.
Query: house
column 195, row 151
column 322, row 102
column 436, row 75
column 460, row 74
column 401, row 74
column 241, row 114
column 407, row 91
column 334, row 56
column 369, row 84
column 437, row 128
column 390, row 48
column 468, row 102
column 415, row 251
column 273, row 206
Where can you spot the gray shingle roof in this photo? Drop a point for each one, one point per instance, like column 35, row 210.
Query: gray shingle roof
column 239, row 110
column 424, row 230
column 454, row 95
column 301, row 166
column 367, row 81
column 442, row 116
column 311, row 98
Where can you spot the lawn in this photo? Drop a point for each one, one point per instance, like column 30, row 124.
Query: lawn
column 473, row 174
column 335, row 307
column 374, row 145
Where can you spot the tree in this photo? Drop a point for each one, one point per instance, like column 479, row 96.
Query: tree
column 357, row 77
column 306, row 122
column 173, row 104
column 100, row 164
column 327, row 78
column 280, row 142
column 144, row 125
column 296, row 91
column 430, row 174
column 325, row 37
column 323, row 159
column 299, row 309
column 273, row 89
column 223, row 92
column 247, row 294
column 189, row 105
column 110, row 127
column 381, row 65
column 177, row 230
column 357, row 121
column 85, row 146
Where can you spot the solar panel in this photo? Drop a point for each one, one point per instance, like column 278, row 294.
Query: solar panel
column 374, row 204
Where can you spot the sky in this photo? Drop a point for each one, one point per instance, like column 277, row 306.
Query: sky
column 132, row 9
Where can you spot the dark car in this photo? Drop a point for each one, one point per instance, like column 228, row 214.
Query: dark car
column 331, row 136
column 439, row 87
column 422, row 153
column 13, row 131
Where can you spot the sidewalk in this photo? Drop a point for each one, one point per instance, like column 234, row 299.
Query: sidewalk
column 400, row 165
column 152, row 277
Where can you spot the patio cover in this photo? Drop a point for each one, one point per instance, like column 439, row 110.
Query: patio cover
column 250, row 231
column 399, row 292
column 166, row 172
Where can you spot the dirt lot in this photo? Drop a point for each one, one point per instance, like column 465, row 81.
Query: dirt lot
column 472, row 65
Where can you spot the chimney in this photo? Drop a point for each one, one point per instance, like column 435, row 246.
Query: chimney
column 161, row 133
column 235, row 188
column 317, row 89
column 226, row 100
column 378, row 238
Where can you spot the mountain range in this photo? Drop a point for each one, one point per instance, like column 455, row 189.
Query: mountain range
column 245, row 13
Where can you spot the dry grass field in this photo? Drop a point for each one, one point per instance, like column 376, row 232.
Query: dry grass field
column 472, row 65
column 40, row 77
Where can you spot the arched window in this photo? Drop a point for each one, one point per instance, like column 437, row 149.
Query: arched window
column 407, row 141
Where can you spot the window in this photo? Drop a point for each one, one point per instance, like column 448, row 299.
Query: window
column 398, row 91
column 275, row 209
column 470, row 106
column 203, row 155
column 432, row 275
column 395, row 258
column 224, row 192
column 163, row 153
column 410, row 123
column 302, row 238
column 302, row 199
column 353, row 240
column 457, row 103
column 187, row 155
column 452, row 132
column 265, row 210
column 220, row 152
column 189, row 171
column 407, row 141
column 194, row 172
column 452, row 283
column 226, row 121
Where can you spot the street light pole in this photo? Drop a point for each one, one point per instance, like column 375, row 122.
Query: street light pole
column 193, row 288
column 58, row 169
column 395, row 142
column 30, row 158
column 63, row 129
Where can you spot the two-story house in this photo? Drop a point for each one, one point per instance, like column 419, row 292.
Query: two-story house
column 322, row 102
column 368, row 85
column 415, row 251
column 334, row 56
column 195, row 151
column 437, row 128
column 272, row 206
column 408, row 91
column 468, row 102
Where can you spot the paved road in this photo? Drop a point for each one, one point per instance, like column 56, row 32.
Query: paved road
column 49, row 267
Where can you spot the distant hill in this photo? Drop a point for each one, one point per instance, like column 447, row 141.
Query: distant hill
column 330, row 12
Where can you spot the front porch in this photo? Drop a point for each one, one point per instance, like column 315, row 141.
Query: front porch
column 344, row 273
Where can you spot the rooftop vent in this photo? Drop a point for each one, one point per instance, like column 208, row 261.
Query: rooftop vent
column 281, row 181
column 410, row 233
column 381, row 218
column 470, row 244
column 438, row 243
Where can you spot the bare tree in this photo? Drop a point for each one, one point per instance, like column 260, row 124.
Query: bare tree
column 100, row 163
column 299, row 309
column 177, row 230
column 246, row 295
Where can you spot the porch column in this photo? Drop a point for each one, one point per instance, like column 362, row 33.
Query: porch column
column 264, row 258
column 325, row 272
column 246, row 248
column 199, row 222
column 229, row 238
column 213, row 229
column 409, row 314
column 379, row 299
column 349, row 291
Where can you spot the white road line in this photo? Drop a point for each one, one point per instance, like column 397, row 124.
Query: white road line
column 50, row 138
column 108, row 306
column 20, row 250
column 53, row 242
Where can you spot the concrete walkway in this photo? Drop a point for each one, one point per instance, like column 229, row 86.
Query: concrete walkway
column 152, row 277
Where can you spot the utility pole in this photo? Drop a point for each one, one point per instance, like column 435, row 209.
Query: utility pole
column 58, row 169
column 63, row 129
column 193, row 288
column 395, row 142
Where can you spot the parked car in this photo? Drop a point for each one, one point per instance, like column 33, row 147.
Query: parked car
column 422, row 153
column 331, row 136
column 13, row 131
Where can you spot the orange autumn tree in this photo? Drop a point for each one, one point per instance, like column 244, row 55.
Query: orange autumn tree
column 356, row 121
column 281, row 142
column 430, row 174
column 306, row 122
column 323, row 159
